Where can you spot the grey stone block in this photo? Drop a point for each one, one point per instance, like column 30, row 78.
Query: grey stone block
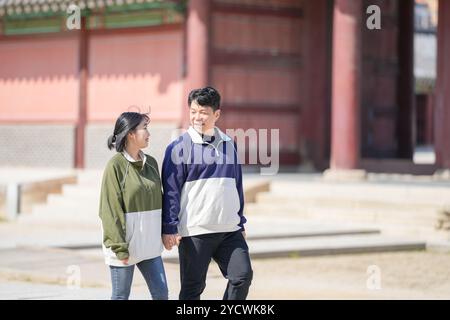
column 37, row 145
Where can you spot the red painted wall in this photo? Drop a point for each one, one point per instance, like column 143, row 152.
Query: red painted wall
column 38, row 79
column 141, row 69
column 39, row 76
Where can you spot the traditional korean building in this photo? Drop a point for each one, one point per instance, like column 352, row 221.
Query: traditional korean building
column 342, row 94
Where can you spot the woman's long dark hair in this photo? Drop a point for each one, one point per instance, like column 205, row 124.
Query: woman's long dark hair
column 127, row 122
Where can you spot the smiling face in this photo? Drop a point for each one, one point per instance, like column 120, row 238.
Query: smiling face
column 203, row 118
column 140, row 136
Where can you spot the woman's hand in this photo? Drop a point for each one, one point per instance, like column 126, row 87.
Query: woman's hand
column 166, row 239
column 125, row 261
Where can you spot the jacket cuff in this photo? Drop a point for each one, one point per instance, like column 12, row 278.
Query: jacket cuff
column 169, row 229
column 122, row 255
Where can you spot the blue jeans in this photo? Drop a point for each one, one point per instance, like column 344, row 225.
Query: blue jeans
column 154, row 275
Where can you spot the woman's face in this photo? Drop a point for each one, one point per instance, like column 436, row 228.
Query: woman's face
column 140, row 136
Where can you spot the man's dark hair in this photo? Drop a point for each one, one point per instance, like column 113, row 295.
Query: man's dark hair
column 205, row 97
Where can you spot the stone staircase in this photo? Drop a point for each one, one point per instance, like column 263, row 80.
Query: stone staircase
column 271, row 237
column 77, row 205
column 404, row 209
column 293, row 218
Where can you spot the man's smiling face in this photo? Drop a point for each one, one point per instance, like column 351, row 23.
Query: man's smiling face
column 203, row 118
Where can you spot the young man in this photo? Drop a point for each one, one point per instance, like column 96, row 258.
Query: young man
column 203, row 202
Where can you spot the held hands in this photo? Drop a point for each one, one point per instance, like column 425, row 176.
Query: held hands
column 170, row 240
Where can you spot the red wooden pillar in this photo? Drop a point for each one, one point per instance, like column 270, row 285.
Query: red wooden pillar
column 442, row 114
column 345, row 113
column 82, row 96
column 198, row 36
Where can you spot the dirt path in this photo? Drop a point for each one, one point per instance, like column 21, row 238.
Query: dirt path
column 413, row 275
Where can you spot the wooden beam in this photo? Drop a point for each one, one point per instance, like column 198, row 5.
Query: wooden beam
column 82, row 103
column 257, row 10
column 135, row 30
column 52, row 35
column 222, row 57
column 261, row 107
column 286, row 158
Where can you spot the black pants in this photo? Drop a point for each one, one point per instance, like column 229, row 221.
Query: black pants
column 229, row 250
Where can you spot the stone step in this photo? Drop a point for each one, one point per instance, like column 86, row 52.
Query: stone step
column 67, row 208
column 58, row 221
column 354, row 200
column 82, row 200
column 257, row 235
column 395, row 227
column 331, row 245
column 428, row 194
column 257, row 228
column 319, row 246
column 300, row 247
column 428, row 216
column 417, row 232
column 75, row 210
column 310, row 233
column 90, row 199
column 80, row 191
column 311, row 240
column 90, row 177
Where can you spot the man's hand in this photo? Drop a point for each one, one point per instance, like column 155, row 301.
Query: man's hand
column 125, row 261
column 170, row 240
column 177, row 239
column 244, row 234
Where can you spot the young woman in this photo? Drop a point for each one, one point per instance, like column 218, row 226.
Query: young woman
column 130, row 210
